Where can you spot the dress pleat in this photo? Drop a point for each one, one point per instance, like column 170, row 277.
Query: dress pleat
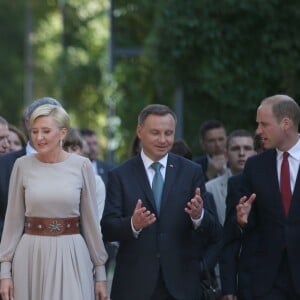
column 56, row 268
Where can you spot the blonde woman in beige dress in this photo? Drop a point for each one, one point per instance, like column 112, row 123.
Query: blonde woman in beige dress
column 52, row 247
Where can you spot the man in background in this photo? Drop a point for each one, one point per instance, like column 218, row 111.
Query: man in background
column 240, row 146
column 212, row 138
column 100, row 167
column 4, row 133
column 238, row 253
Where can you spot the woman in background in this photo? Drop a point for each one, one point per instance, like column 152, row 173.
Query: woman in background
column 74, row 143
column 16, row 138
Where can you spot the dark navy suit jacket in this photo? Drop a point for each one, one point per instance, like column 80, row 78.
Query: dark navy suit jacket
column 102, row 169
column 237, row 256
column 203, row 162
column 6, row 165
column 170, row 244
column 274, row 231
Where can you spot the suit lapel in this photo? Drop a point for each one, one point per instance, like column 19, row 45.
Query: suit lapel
column 171, row 170
column 274, row 178
column 223, row 184
column 295, row 204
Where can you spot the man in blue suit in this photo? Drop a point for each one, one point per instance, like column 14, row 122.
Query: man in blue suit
column 270, row 208
column 158, row 256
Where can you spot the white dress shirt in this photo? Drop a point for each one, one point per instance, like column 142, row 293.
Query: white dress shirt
column 149, row 170
column 150, row 173
column 30, row 149
column 294, row 160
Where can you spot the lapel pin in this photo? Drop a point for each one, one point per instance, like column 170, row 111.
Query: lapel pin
column 171, row 166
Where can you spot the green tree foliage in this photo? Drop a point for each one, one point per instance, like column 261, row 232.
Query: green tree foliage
column 133, row 73
column 12, row 53
column 227, row 55
column 71, row 42
column 11, row 59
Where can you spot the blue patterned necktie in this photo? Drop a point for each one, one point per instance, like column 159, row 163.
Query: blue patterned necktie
column 157, row 185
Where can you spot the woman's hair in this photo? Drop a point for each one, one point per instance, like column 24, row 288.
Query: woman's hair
column 181, row 148
column 135, row 147
column 59, row 115
column 73, row 139
column 19, row 133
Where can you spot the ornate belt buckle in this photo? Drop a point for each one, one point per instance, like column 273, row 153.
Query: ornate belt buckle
column 55, row 226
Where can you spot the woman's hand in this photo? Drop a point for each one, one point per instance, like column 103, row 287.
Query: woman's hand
column 100, row 290
column 7, row 289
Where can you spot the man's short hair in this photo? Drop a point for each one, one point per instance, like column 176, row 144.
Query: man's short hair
column 155, row 109
column 208, row 125
column 284, row 106
column 239, row 133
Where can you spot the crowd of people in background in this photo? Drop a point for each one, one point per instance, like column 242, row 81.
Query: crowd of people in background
column 166, row 220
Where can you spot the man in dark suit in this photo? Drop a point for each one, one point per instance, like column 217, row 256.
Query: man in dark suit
column 158, row 256
column 4, row 133
column 238, row 253
column 100, row 167
column 208, row 251
column 271, row 206
column 7, row 161
column 212, row 138
column 231, row 241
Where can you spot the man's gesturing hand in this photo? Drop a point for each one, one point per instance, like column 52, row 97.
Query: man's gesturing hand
column 243, row 209
column 142, row 217
column 195, row 205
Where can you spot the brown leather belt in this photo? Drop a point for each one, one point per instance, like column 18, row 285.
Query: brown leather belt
column 51, row 226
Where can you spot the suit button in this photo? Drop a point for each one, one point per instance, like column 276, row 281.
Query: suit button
column 158, row 255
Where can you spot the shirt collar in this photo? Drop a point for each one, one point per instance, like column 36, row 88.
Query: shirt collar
column 148, row 161
column 293, row 152
column 30, row 149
